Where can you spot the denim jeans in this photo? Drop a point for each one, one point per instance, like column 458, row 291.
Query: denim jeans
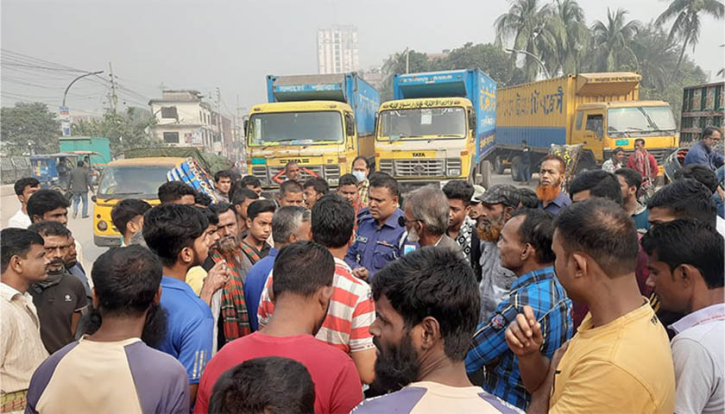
column 525, row 172
column 77, row 197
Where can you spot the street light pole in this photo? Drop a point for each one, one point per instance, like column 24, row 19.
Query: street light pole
column 65, row 94
column 538, row 60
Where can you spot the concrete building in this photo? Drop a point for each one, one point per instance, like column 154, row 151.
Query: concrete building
column 183, row 119
column 337, row 50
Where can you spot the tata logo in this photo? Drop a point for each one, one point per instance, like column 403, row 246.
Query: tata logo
column 419, row 154
column 298, row 161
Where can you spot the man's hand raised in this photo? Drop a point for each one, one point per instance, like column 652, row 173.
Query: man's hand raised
column 523, row 335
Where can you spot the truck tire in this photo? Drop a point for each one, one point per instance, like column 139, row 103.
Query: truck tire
column 516, row 168
column 498, row 165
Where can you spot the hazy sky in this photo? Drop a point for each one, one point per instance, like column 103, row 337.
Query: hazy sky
column 232, row 45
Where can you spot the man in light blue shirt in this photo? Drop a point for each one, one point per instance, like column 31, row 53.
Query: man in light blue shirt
column 180, row 236
column 702, row 153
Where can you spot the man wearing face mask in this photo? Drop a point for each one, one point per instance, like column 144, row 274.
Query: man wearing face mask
column 61, row 298
column 302, row 288
column 361, row 171
column 497, row 205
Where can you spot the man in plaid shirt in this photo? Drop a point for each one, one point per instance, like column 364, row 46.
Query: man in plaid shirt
column 525, row 248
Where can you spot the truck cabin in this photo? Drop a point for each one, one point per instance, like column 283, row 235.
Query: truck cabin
column 424, row 119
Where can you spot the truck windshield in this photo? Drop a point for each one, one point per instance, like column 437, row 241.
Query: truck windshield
column 295, row 128
column 640, row 121
column 136, row 181
column 423, row 123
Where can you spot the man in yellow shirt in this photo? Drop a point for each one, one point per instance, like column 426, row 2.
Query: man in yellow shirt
column 620, row 360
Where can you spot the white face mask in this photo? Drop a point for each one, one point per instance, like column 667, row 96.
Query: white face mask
column 360, row 175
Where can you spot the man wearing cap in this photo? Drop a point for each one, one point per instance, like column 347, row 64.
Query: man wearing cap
column 497, row 205
column 475, row 211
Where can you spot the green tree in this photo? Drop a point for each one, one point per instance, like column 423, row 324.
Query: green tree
column 29, row 128
column 125, row 130
column 416, row 62
column 612, row 41
column 490, row 58
column 526, row 24
column 687, row 21
column 571, row 35
column 656, row 54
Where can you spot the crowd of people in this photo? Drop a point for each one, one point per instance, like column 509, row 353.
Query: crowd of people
column 597, row 297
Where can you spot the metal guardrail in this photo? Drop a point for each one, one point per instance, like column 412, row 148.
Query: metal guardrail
column 14, row 168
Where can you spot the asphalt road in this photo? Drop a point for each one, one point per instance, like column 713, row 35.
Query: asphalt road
column 83, row 228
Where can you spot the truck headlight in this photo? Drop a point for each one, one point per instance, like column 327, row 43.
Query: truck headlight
column 454, row 172
column 102, row 225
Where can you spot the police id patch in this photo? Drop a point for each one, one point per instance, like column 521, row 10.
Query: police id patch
column 498, row 322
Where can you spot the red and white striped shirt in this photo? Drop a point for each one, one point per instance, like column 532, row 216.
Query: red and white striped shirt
column 351, row 311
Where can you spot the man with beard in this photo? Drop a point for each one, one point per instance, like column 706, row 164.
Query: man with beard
column 551, row 175
column 178, row 235
column 427, row 309
column 303, row 286
column 61, row 298
column 113, row 369
column 379, row 230
column 425, row 217
column 498, row 203
column 461, row 227
column 21, row 349
column 703, row 152
column 525, row 247
column 644, row 163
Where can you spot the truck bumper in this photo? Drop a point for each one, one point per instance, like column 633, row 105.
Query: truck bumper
column 107, row 241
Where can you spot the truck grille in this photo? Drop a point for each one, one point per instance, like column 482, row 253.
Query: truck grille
column 420, row 168
column 261, row 173
column 386, row 166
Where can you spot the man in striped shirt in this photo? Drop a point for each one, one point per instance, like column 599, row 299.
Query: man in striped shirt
column 352, row 309
column 525, row 247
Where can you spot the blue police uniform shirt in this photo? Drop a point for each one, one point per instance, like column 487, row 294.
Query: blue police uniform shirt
column 254, row 285
column 190, row 329
column 375, row 245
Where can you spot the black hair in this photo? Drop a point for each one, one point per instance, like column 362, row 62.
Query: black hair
column 685, row 198
column 603, row 230
column 347, row 179
column 43, row 201
column 701, row 174
column 616, row 150
column 289, row 186
column 222, row 174
column 302, row 268
column 380, row 179
column 80, row 164
column 537, row 229
column 599, row 183
column 200, row 198
column 127, row 210
column 459, row 190
column 528, row 197
column 210, row 215
column 264, row 385
column 364, row 158
column 169, row 228
column 174, row 191
column 250, row 180
column 709, row 130
column 20, row 185
column 221, row 208
column 689, row 241
column 632, row 177
column 640, row 140
column 318, row 184
column 240, row 195
column 333, row 220
column 126, row 280
column 16, row 242
column 260, row 206
column 436, row 282
column 49, row 228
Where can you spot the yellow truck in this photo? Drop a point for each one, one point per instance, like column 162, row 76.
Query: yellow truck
column 439, row 127
column 601, row 111
column 320, row 121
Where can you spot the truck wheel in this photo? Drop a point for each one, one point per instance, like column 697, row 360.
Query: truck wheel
column 498, row 165
column 516, row 168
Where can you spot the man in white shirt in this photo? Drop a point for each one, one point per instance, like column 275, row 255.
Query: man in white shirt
column 686, row 264
column 24, row 188
column 21, row 349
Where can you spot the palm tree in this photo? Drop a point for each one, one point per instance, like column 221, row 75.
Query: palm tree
column 525, row 22
column 567, row 24
column 687, row 21
column 656, row 54
column 612, row 41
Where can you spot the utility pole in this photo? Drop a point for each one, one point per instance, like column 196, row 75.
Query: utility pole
column 114, row 97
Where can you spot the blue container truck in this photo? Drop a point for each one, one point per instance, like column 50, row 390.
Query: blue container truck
column 320, row 121
column 440, row 126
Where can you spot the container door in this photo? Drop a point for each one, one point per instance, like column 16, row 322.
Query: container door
column 593, row 135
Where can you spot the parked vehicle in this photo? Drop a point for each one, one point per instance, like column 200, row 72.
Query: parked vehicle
column 439, row 127
column 98, row 148
column 702, row 106
column 53, row 170
column 320, row 121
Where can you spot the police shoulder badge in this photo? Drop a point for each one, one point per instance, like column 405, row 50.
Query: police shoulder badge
column 498, row 321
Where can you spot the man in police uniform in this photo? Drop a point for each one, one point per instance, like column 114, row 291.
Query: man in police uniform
column 379, row 233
